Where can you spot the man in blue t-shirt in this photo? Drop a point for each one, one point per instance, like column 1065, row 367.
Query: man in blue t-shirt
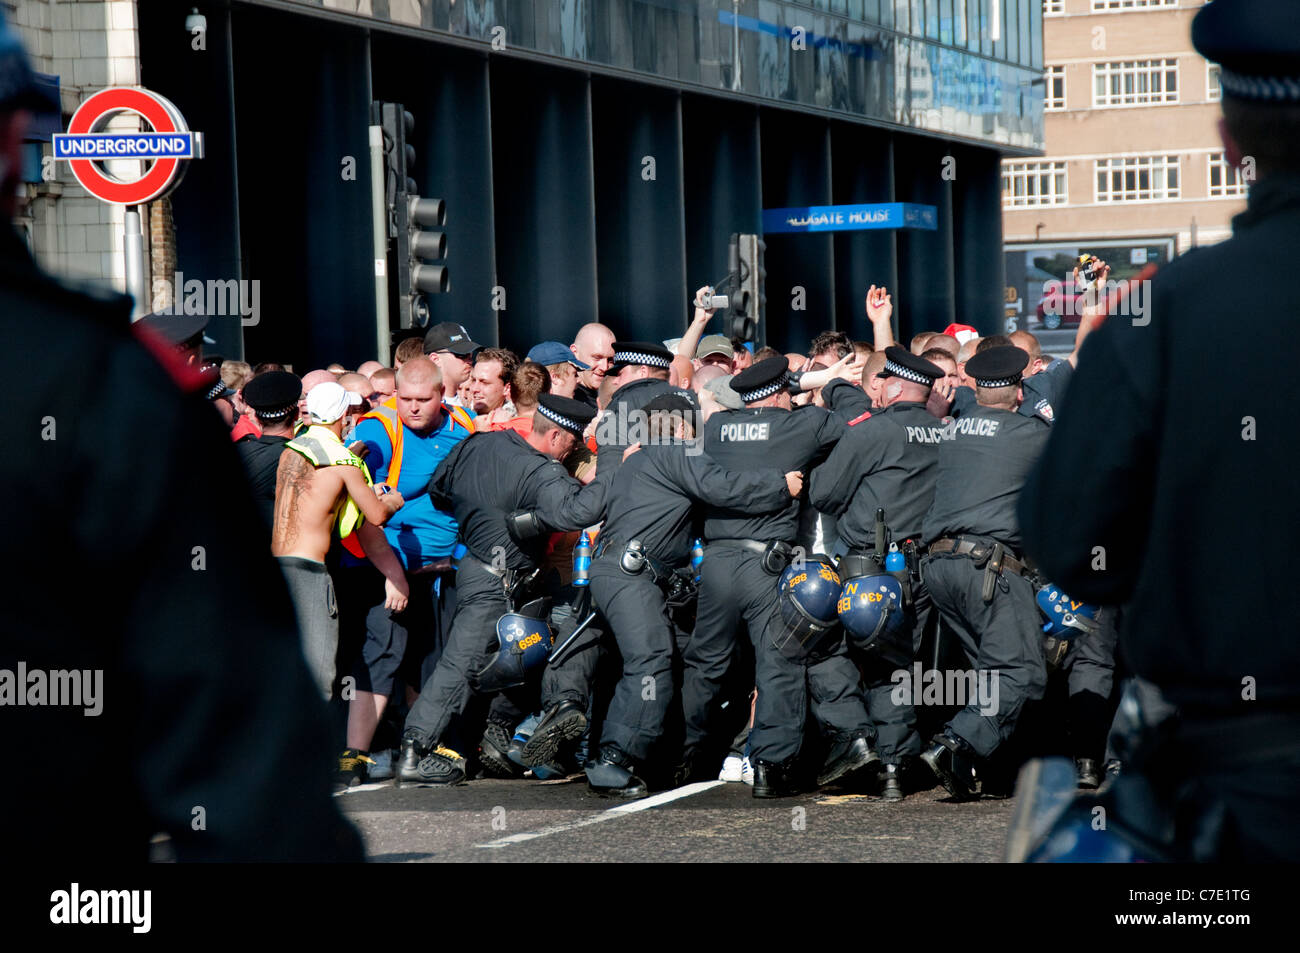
column 404, row 441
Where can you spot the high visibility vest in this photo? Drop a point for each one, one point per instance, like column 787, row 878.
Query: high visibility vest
column 386, row 414
column 323, row 449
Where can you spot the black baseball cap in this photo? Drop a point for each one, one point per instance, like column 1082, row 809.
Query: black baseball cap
column 449, row 336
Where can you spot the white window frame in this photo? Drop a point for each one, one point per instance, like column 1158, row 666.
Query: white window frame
column 1213, row 86
column 1035, row 171
column 1140, row 73
column 1131, row 6
column 1155, row 165
column 1048, row 99
column 1053, row 8
column 1232, row 186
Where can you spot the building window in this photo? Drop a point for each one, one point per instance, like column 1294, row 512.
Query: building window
column 1052, row 7
column 1027, row 184
column 1107, row 6
column 1135, row 83
column 1213, row 91
column 1137, row 179
column 1225, row 180
column 1054, row 88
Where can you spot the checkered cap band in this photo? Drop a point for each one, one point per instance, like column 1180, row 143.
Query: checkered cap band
column 907, row 374
column 997, row 381
column 216, row 390
column 1279, row 89
column 275, row 414
column 749, row 396
column 566, row 422
column 639, row 357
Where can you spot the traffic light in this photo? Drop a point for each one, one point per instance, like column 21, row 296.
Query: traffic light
column 745, row 262
column 410, row 246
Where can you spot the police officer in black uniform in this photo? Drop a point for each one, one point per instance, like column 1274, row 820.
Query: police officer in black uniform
column 640, row 370
column 745, row 554
column 1169, row 513
column 974, row 567
column 273, row 396
column 203, row 695
column 887, row 461
column 646, row 538
column 486, row 479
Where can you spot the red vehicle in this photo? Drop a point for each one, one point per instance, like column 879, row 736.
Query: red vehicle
column 1059, row 306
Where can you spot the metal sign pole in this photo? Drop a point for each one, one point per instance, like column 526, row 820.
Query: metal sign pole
column 133, row 251
column 379, row 220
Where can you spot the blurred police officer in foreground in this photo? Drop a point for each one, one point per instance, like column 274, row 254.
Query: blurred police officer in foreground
column 746, row 552
column 974, row 569
column 646, row 539
column 201, row 700
column 1137, row 503
column 887, row 461
column 485, row 478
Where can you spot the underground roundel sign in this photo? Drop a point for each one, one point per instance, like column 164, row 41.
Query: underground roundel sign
column 163, row 151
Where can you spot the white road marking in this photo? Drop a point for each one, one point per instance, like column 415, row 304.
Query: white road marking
column 371, row 786
column 613, row 813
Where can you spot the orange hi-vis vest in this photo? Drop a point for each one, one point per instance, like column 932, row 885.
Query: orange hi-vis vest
column 386, row 414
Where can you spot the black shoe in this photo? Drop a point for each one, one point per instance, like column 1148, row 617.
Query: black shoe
column 412, row 753
column 440, row 766
column 953, row 763
column 352, row 769
column 775, row 780
column 494, row 752
column 564, row 722
column 611, row 775
column 1089, row 776
column 849, row 753
column 891, row 783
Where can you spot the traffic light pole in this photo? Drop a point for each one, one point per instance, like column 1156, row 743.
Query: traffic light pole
column 379, row 226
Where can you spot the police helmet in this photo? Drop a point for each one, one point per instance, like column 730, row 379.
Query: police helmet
column 524, row 645
column 871, row 608
column 808, row 592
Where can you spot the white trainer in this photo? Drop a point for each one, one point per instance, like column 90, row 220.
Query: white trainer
column 747, row 771
column 733, row 769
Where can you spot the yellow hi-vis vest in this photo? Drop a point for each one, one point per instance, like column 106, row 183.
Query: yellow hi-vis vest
column 323, row 449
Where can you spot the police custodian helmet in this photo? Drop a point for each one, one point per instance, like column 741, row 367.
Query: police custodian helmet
column 809, row 590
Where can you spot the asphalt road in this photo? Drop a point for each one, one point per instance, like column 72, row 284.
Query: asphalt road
column 557, row 821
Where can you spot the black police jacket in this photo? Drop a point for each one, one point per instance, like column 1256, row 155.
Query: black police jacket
column 758, row 437
column 889, row 460
column 622, row 424
column 652, row 495
column 488, row 476
column 139, row 555
column 1150, row 495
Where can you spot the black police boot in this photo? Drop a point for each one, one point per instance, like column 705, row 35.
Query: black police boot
column 563, row 722
column 775, row 780
column 891, row 783
column 1089, row 776
column 412, row 753
column 953, row 762
column 494, row 752
column 440, row 766
column 611, row 775
column 849, row 753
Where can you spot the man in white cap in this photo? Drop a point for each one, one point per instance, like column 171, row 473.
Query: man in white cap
column 317, row 486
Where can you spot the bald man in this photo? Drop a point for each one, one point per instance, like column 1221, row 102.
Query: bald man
column 594, row 346
column 368, row 368
column 944, row 342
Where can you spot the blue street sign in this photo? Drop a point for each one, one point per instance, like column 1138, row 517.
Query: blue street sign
column 125, row 145
column 847, row 218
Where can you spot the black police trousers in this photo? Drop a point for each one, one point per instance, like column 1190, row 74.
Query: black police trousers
column 1003, row 643
column 480, row 602
column 637, row 613
column 570, row 677
column 733, row 584
column 1090, row 676
column 892, row 713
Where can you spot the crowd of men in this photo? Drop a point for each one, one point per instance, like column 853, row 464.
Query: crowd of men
column 659, row 562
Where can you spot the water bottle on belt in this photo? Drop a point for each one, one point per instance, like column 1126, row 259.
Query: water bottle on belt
column 895, row 561
column 582, row 561
column 697, row 560
column 457, row 554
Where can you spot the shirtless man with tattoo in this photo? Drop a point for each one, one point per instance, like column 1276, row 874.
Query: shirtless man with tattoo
column 319, row 485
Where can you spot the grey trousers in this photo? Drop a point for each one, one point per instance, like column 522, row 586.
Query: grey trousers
column 312, row 591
